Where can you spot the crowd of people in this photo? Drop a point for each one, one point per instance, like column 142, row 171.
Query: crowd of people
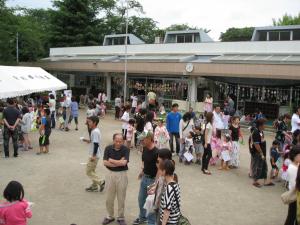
column 210, row 139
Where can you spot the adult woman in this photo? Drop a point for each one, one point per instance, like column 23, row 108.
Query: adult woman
column 186, row 125
column 292, row 171
column 208, row 103
column 159, row 186
column 52, row 107
column 208, row 129
column 149, row 122
column 282, row 133
column 258, row 153
column 170, row 199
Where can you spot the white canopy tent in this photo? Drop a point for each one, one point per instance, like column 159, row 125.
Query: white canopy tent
column 18, row 81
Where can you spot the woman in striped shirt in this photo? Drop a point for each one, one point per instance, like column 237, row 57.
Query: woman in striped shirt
column 170, row 200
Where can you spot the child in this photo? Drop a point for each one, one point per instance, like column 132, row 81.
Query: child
column 102, row 109
column 216, row 146
column 16, row 210
column 94, row 155
column 235, row 133
column 198, row 144
column 274, row 157
column 125, row 120
column 45, row 131
column 25, row 128
column 61, row 120
column 130, row 131
column 285, row 166
column 225, row 153
column 189, row 147
column 161, row 135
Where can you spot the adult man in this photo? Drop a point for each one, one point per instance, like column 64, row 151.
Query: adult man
column 218, row 121
column 11, row 118
column 147, row 175
column 296, row 120
column 116, row 158
column 231, row 105
column 173, row 119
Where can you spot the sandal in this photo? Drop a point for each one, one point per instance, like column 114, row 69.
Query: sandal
column 108, row 220
column 269, row 184
column 257, row 185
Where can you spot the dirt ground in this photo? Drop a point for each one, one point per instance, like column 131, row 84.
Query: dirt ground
column 56, row 183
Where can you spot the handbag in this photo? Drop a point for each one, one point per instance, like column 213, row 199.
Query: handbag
column 182, row 219
column 289, row 197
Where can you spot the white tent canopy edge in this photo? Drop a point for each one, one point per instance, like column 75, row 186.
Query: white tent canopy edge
column 19, row 81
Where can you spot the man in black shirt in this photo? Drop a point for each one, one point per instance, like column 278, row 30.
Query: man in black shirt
column 147, row 175
column 11, row 119
column 116, row 158
column 140, row 123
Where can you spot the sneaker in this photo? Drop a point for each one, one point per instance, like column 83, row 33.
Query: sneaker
column 102, row 186
column 139, row 221
column 92, row 189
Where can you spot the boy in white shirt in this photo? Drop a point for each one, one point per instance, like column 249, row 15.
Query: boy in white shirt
column 94, row 155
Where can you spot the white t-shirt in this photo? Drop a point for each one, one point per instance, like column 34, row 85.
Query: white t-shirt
column 95, row 138
column 118, row 102
column 67, row 103
column 134, row 101
column 90, row 112
column 125, row 118
column 52, row 102
column 209, row 131
column 295, row 121
column 148, row 127
column 188, row 127
column 218, row 121
column 292, row 175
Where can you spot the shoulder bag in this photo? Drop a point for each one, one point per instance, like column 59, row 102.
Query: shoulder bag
column 289, row 197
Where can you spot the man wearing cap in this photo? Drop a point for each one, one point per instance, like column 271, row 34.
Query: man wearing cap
column 147, row 175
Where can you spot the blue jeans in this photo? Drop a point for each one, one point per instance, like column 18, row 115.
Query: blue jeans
column 152, row 218
column 145, row 182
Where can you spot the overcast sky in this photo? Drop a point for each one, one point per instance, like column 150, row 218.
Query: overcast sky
column 215, row 15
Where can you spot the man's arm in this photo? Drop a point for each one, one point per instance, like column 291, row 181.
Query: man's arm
column 108, row 164
column 6, row 123
column 16, row 123
column 117, row 163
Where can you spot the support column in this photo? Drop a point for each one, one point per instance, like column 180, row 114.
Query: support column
column 72, row 81
column 108, row 86
column 192, row 91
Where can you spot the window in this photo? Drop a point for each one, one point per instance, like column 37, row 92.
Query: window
column 180, row 38
column 296, row 35
column 284, row 35
column 188, row 38
column 273, row 36
column 262, row 36
column 109, row 41
column 197, row 38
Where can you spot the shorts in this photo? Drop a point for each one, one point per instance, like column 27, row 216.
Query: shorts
column 44, row 140
column 199, row 149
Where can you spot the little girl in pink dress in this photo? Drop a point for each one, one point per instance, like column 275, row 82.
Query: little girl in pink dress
column 161, row 136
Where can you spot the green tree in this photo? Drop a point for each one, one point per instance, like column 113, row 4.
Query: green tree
column 8, row 31
column 237, row 34
column 75, row 23
column 287, row 20
column 179, row 27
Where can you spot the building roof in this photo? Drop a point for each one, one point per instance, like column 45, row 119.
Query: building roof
column 134, row 40
column 270, row 28
column 204, row 37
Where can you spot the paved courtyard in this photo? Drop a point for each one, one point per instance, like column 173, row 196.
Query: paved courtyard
column 56, row 183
